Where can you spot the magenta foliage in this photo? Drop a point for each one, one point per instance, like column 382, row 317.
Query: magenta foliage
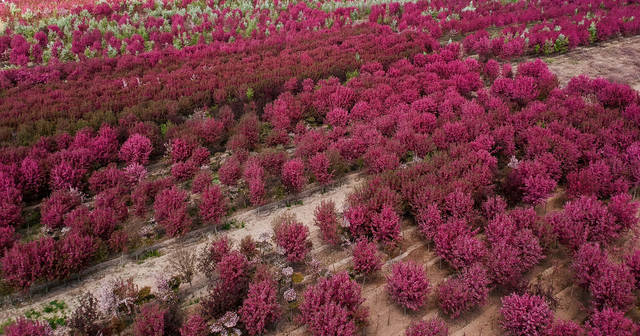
column 10, row 201
column 56, row 206
column 537, row 188
column 180, row 150
column 292, row 236
column 7, row 237
column 104, row 222
column 365, row 257
column 260, row 309
column 23, row 327
column 213, row 255
column 218, row 249
column 134, row 173
column 408, row 285
column 585, row 220
column 199, row 157
column 182, row 171
column 459, row 204
column 319, row 165
column 210, row 131
column 201, row 181
column 26, row 263
column 587, row 263
column 508, row 260
column 494, row 206
column 566, row 328
column 379, row 159
column 514, row 247
column 32, row 175
column 150, row 321
column 107, row 178
column 254, row 176
column 105, row 144
column 213, row 205
column 194, row 326
column 429, row 220
column 492, row 69
column 230, row 171
column 432, row 327
column 64, row 176
column 609, row 322
column 75, row 252
column 293, row 175
column 597, row 179
column 171, row 211
column 337, row 117
column 136, row 149
column 525, row 315
column 233, row 270
column 456, row 244
column 624, row 210
column 386, row 226
column 613, row 287
column 333, row 306
column 116, row 199
column 633, row 262
column 465, row 292
column 46, row 259
column 326, row 218
column 359, row 220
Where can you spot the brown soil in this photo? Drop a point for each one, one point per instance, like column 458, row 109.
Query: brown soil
column 616, row 60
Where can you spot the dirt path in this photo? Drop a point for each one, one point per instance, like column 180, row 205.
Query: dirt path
column 616, row 60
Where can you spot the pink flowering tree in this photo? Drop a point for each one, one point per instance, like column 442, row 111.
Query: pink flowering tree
column 326, row 218
column 588, row 262
column 201, row 181
column 365, row 257
column 24, row 327
column 465, row 292
column 230, row 171
column 171, row 211
column 408, row 285
column 136, row 149
column 261, row 308
column 386, row 226
column 56, row 206
column 150, row 321
column 292, row 236
column 566, row 328
column 585, row 219
column 633, row 262
column 432, row 327
column 333, row 306
column 195, row 325
column 613, row 287
column 213, row 205
column 212, row 255
column 293, row 175
column 254, row 176
column 320, row 167
column 610, row 322
column 525, row 315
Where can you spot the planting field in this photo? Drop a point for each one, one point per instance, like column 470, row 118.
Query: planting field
column 344, row 167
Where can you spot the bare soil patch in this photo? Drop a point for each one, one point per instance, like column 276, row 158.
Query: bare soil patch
column 616, row 60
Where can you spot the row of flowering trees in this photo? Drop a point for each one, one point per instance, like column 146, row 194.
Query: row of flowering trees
column 132, row 27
